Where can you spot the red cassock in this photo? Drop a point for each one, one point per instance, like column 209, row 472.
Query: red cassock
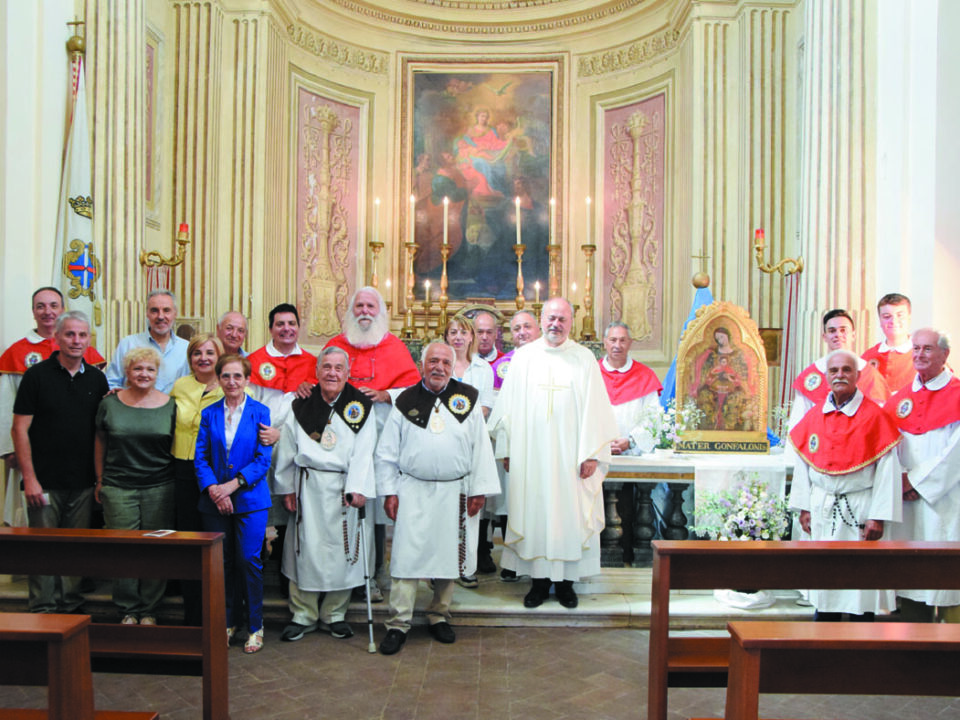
column 813, row 385
column 282, row 373
column 895, row 367
column 923, row 410
column 23, row 354
column 382, row 366
column 637, row 382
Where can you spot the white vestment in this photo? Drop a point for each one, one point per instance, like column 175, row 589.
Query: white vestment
column 932, row 463
column 428, row 472
column 871, row 493
column 314, row 556
column 551, row 415
column 479, row 374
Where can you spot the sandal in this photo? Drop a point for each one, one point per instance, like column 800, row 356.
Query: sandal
column 231, row 631
column 254, row 642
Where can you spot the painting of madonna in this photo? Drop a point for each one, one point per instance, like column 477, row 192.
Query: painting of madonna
column 724, row 384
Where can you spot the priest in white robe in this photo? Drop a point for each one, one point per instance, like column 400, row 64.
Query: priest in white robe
column 434, row 465
column 324, row 473
column 927, row 411
column 846, row 482
column 553, row 423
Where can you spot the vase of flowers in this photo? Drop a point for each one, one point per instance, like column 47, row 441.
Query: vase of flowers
column 661, row 427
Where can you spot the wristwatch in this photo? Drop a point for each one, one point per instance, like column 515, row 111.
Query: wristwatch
column 242, row 481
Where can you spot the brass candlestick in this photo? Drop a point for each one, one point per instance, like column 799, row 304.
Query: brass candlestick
column 537, row 308
column 155, row 259
column 409, row 328
column 444, row 284
column 787, row 266
column 518, row 249
column 553, row 252
column 375, row 248
column 589, row 329
column 426, row 315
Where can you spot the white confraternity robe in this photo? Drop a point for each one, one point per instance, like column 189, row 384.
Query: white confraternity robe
column 551, row 415
column 313, row 553
column 932, row 463
column 409, row 460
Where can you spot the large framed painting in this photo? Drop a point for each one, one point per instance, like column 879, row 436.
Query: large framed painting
column 483, row 136
column 722, row 372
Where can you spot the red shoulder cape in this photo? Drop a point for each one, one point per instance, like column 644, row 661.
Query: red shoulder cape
column 384, row 366
column 282, row 373
column 836, row 444
column 23, row 354
column 896, row 368
column 638, row 381
column 924, row 410
column 812, row 384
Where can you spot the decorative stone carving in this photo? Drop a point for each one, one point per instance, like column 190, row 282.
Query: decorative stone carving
column 628, row 56
column 338, row 51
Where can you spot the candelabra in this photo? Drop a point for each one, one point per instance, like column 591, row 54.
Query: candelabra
column 427, row 304
column 589, row 330
column 518, row 249
column 155, row 259
column 409, row 328
column 553, row 252
column 787, row 266
column 375, row 248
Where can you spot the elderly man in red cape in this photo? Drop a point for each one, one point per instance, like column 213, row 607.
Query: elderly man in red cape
column 633, row 388
column 927, row 411
column 380, row 367
column 846, row 483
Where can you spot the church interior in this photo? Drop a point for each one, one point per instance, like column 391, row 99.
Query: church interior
column 454, row 153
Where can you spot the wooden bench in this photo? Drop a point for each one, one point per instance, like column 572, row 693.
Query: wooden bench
column 839, row 659
column 166, row 649
column 708, row 565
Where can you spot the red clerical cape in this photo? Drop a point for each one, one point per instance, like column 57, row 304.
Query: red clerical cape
column 925, row 410
column 637, row 382
column 23, row 354
column 895, row 367
column 835, row 444
column 282, row 373
column 812, row 384
column 383, row 366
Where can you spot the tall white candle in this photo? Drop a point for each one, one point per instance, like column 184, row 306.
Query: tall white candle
column 587, row 240
column 376, row 219
column 536, row 288
column 516, row 203
column 446, row 225
column 426, row 289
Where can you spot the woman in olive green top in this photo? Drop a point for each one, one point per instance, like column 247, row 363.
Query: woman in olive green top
column 134, row 469
column 192, row 393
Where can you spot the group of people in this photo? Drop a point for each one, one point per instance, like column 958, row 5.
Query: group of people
column 199, row 435
column 876, row 441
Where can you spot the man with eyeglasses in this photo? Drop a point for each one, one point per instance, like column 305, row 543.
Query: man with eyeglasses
column 380, row 367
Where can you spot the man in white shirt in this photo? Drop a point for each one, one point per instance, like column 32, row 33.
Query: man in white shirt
column 893, row 357
column 232, row 331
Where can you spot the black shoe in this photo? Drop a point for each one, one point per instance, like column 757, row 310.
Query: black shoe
column 341, row 630
column 468, row 581
column 392, row 643
column 566, row 595
column 538, row 593
column 296, row 631
column 508, row 576
column 485, row 563
column 442, row 632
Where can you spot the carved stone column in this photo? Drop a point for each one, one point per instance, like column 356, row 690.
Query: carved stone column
column 116, row 43
column 836, row 167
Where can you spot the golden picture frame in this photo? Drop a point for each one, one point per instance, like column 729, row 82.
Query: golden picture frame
column 722, row 371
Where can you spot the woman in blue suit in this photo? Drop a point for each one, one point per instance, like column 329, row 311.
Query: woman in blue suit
column 231, row 465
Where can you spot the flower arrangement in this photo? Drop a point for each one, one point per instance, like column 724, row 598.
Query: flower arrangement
column 747, row 511
column 666, row 424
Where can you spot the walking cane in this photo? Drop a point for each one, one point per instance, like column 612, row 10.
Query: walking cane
column 362, row 513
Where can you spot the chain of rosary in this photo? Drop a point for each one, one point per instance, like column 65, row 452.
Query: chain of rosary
column 848, row 518
column 346, row 538
column 462, row 535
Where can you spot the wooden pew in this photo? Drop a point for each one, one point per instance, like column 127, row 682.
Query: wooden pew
column 708, row 565
column 129, row 553
column 839, row 659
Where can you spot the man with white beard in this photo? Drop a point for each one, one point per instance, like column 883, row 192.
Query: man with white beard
column 379, row 363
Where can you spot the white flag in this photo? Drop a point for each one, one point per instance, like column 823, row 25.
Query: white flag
column 77, row 268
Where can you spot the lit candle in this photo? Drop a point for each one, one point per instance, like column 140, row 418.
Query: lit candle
column 446, row 226
column 388, row 285
column 516, row 203
column 536, row 289
column 376, row 219
column 587, row 241
column 426, row 289
column 184, row 228
column 413, row 210
column 553, row 210
column 573, row 292
column 758, row 237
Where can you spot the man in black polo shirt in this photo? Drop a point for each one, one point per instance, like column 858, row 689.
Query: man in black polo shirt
column 53, row 431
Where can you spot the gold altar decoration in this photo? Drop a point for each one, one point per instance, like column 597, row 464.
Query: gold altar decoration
column 787, row 266
column 155, row 259
column 589, row 331
column 518, row 249
column 553, row 252
column 409, row 328
column 633, row 251
column 444, row 284
column 722, row 370
column 324, row 247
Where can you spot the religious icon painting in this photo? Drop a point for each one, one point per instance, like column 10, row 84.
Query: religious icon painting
column 722, row 379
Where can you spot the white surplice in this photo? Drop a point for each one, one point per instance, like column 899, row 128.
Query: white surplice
column 428, row 472
column 314, row 556
column 551, row 415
